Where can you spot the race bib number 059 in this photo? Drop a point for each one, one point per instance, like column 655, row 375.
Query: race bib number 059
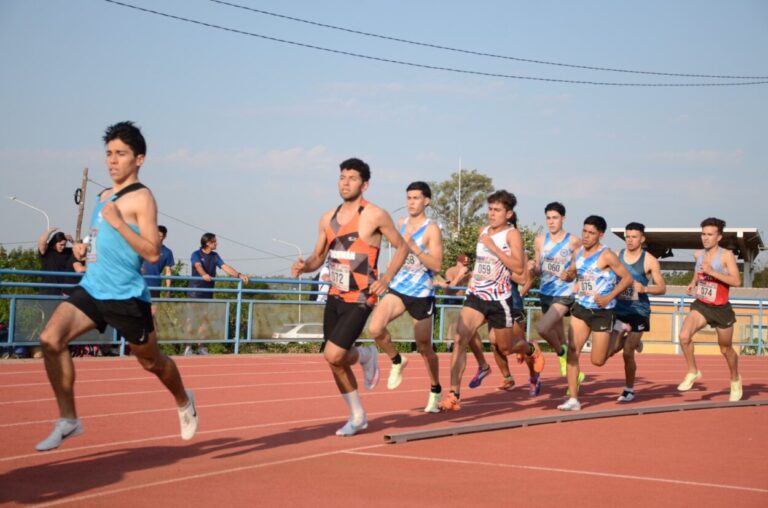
column 483, row 269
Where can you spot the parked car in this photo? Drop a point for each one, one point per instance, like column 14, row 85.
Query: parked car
column 299, row 331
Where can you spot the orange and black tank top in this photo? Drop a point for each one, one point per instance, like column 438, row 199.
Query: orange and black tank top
column 352, row 262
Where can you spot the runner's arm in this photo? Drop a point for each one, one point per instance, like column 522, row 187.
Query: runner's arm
column 658, row 285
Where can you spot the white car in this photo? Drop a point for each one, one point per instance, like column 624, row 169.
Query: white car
column 299, row 331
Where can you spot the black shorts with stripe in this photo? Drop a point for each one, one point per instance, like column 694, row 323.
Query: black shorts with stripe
column 132, row 318
column 498, row 313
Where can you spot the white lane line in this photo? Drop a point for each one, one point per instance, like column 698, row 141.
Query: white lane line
column 77, row 499
column 562, row 470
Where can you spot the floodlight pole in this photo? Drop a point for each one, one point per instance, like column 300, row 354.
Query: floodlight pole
column 298, row 249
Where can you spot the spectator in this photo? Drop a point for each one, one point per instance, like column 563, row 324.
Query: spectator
column 164, row 265
column 204, row 262
column 55, row 256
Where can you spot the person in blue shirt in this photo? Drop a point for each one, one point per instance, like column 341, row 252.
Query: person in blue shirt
column 113, row 292
column 163, row 266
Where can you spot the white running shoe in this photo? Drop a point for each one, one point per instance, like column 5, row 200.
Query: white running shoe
column 736, row 391
column 396, row 373
column 570, row 405
column 688, row 381
column 433, row 405
column 62, row 430
column 188, row 418
column 626, row 396
column 350, row 428
column 371, row 368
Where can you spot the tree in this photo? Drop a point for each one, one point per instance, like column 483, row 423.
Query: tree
column 459, row 201
column 17, row 259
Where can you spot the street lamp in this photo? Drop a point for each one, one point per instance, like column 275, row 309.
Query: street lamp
column 389, row 245
column 298, row 249
column 47, row 219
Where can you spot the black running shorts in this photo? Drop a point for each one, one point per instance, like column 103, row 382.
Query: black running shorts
column 717, row 316
column 131, row 318
column 418, row 307
column 638, row 323
column 343, row 322
column 598, row 320
column 498, row 313
column 547, row 302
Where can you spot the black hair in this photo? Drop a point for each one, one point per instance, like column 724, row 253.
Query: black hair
column 555, row 206
column 508, row 201
column 635, row 226
column 129, row 134
column 714, row 221
column 163, row 230
column 421, row 186
column 56, row 238
column 357, row 165
column 597, row 221
column 207, row 237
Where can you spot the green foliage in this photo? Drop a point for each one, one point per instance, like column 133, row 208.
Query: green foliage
column 761, row 279
column 447, row 195
column 17, row 259
column 678, row 278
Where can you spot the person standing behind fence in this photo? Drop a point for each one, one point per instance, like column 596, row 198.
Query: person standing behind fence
column 716, row 272
column 113, row 292
column 204, row 262
column 164, row 266
column 55, row 256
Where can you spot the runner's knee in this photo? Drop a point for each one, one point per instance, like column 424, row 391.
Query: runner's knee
column 51, row 343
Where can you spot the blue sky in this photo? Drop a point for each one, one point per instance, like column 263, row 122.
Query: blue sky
column 245, row 134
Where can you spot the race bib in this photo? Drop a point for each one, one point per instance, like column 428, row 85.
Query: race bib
column 339, row 276
column 629, row 294
column 587, row 286
column 553, row 266
column 90, row 242
column 483, row 269
column 412, row 263
column 706, row 291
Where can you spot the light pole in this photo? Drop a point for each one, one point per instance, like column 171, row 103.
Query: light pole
column 47, row 219
column 298, row 249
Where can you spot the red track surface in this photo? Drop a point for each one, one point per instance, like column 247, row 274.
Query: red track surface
column 266, row 438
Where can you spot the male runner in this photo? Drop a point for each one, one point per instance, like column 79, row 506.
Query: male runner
column 554, row 251
column 595, row 268
column 113, row 292
column 716, row 272
column 412, row 290
column 490, row 295
column 351, row 235
column 633, row 307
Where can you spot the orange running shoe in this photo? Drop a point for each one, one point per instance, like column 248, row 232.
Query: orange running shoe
column 507, row 385
column 450, row 403
column 537, row 358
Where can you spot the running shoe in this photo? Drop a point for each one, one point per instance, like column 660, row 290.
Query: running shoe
column 350, row 428
column 507, row 384
column 579, row 380
column 481, row 374
column 188, row 418
column 62, row 430
column 688, row 381
column 396, row 373
column 626, row 396
column 534, row 385
column 537, row 357
column 562, row 360
column 450, row 403
column 570, row 405
column 736, row 391
column 371, row 367
column 433, row 404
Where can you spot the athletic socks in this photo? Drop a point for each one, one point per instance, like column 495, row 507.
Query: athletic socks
column 357, row 413
column 397, row 360
column 436, row 389
column 531, row 349
column 562, row 351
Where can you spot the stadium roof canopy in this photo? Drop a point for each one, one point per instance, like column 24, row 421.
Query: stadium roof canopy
column 746, row 243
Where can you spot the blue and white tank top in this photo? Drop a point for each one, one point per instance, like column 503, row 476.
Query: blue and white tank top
column 630, row 301
column 490, row 278
column 555, row 259
column 413, row 278
column 113, row 267
column 591, row 281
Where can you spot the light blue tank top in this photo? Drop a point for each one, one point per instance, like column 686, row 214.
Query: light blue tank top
column 631, row 302
column 555, row 259
column 592, row 281
column 113, row 269
column 414, row 279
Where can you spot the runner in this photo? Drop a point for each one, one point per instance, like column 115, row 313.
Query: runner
column 716, row 272
column 633, row 307
column 490, row 296
column 113, row 292
column 412, row 290
column 595, row 268
column 351, row 235
column 554, row 251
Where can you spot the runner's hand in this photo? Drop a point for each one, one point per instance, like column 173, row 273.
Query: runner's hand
column 111, row 214
column 379, row 286
column 298, row 267
column 602, row 300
